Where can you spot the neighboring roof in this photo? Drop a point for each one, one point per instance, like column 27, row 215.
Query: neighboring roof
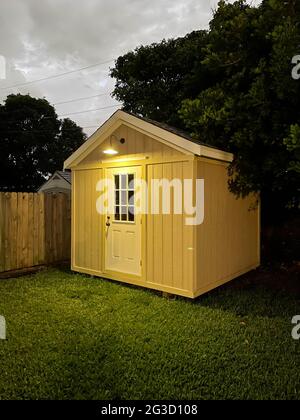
column 158, row 131
column 65, row 174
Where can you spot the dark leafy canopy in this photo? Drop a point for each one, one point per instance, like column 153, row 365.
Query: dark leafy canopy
column 153, row 80
column 233, row 89
column 33, row 142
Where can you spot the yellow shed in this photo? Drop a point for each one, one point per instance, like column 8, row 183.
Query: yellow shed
column 151, row 207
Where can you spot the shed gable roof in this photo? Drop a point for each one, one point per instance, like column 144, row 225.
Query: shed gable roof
column 173, row 130
column 158, row 131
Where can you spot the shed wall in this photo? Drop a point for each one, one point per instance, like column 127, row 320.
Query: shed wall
column 87, row 225
column 169, row 241
column 177, row 258
column 228, row 242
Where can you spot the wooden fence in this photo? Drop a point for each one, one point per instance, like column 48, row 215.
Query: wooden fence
column 35, row 229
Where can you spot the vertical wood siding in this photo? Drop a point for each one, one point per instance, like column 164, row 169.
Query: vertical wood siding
column 228, row 240
column 169, row 241
column 35, row 229
column 136, row 144
column 87, row 223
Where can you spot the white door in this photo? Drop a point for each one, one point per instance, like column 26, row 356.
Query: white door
column 123, row 222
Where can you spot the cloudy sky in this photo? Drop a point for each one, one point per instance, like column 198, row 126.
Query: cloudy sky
column 45, row 38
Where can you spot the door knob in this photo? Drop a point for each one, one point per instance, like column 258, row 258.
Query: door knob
column 108, row 221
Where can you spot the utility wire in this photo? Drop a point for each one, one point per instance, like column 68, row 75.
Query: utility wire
column 44, row 131
column 66, row 114
column 56, row 75
column 81, row 99
column 89, row 110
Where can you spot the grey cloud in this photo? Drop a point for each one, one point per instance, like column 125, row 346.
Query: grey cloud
column 42, row 38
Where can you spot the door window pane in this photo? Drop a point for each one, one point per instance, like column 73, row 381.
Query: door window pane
column 117, row 182
column 123, row 198
column 117, row 213
column 131, row 181
column 123, row 182
column 117, row 197
column 131, row 214
column 131, row 198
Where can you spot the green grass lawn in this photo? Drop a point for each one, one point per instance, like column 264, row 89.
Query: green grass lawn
column 74, row 337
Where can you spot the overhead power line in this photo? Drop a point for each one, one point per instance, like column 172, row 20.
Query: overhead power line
column 55, row 75
column 45, row 131
column 89, row 110
column 67, row 114
column 81, row 99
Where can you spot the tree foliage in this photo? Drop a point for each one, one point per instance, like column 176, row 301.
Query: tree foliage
column 153, row 80
column 234, row 91
column 34, row 142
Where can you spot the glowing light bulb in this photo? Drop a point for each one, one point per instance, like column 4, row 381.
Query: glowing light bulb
column 110, row 152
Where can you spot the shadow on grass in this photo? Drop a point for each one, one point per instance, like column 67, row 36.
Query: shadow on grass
column 244, row 298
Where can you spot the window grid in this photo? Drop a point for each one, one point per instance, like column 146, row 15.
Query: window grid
column 124, row 198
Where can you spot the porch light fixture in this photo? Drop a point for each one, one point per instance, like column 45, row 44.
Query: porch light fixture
column 110, row 150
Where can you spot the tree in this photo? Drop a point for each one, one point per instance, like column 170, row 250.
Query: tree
column 240, row 96
column 153, row 80
column 258, row 100
column 34, row 142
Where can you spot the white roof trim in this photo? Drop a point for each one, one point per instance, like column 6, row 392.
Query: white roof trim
column 171, row 139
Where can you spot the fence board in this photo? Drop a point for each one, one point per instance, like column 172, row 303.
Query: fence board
column 2, row 224
column 19, row 244
column 13, row 237
column 30, row 229
column 49, row 228
column 35, row 229
column 25, row 233
column 7, row 227
column 41, row 223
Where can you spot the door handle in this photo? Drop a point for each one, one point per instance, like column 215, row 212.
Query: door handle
column 108, row 221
